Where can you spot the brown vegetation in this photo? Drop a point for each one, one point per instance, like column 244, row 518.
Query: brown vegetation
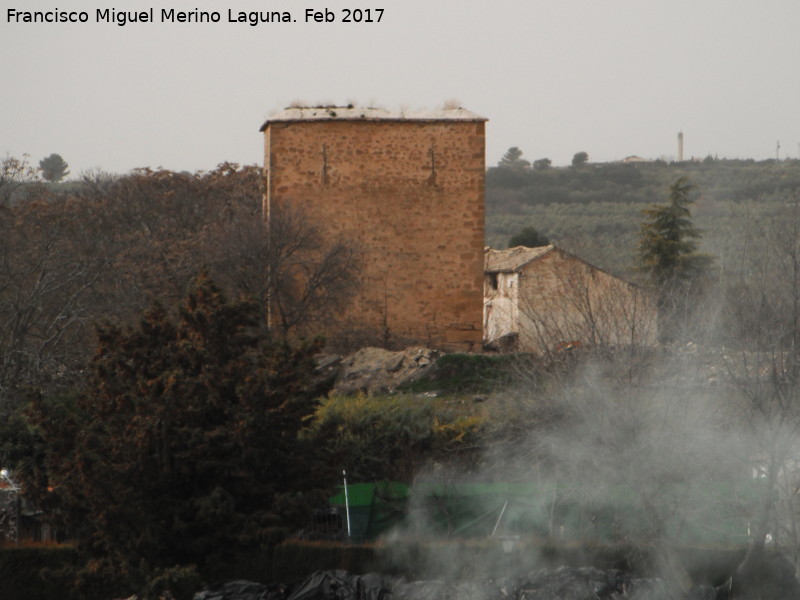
column 108, row 246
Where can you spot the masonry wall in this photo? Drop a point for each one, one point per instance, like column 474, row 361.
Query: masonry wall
column 565, row 301
column 500, row 307
column 558, row 301
column 410, row 196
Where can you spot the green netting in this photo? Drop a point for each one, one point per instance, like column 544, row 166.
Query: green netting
column 374, row 507
column 715, row 513
column 363, row 494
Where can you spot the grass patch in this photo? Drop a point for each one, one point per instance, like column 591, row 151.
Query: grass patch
column 466, row 374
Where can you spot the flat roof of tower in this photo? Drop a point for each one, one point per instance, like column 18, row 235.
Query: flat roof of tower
column 356, row 113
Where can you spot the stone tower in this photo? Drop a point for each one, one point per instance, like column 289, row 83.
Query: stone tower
column 408, row 191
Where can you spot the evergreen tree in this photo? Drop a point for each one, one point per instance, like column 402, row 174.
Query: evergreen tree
column 184, row 447
column 512, row 159
column 542, row 164
column 529, row 237
column 579, row 159
column 54, row 168
column 668, row 240
column 668, row 254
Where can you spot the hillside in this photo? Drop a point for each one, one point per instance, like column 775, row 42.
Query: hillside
column 595, row 210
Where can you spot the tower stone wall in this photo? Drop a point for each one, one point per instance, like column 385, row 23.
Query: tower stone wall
column 408, row 192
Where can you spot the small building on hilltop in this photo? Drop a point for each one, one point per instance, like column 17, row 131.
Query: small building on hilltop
column 405, row 192
column 545, row 299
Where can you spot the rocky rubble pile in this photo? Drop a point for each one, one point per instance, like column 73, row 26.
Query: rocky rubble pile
column 378, row 371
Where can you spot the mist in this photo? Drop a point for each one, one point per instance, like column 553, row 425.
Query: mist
column 657, row 468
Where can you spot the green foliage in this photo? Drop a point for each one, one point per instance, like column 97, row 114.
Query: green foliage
column 512, row 159
column 379, row 438
column 542, row 163
column 580, row 159
column 466, row 374
column 529, row 237
column 668, row 242
column 53, row 168
column 596, row 212
column 185, row 444
column 668, row 255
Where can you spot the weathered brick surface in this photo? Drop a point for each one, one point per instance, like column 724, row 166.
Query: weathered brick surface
column 410, row 195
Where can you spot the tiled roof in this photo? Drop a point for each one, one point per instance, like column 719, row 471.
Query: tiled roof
column 513, row 259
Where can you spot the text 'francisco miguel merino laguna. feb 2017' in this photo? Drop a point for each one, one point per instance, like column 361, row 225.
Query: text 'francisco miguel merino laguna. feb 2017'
column 170, row 15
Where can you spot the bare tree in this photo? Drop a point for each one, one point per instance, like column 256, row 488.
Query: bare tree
column 311, row 278
column 119, row 242
column 19, row 181
column 579, row 306
column 765, row 368
column 50, row 265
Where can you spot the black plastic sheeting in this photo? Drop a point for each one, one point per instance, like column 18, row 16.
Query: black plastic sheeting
column 341, row 585
column 242, row 590
column 566, row 583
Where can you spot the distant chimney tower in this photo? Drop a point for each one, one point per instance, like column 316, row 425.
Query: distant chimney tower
column 680, row 146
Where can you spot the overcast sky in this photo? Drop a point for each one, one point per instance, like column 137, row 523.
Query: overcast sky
column 612, row 78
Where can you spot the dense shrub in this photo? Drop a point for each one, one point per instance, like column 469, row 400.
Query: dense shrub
column 33, row 573
column 379, row 438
